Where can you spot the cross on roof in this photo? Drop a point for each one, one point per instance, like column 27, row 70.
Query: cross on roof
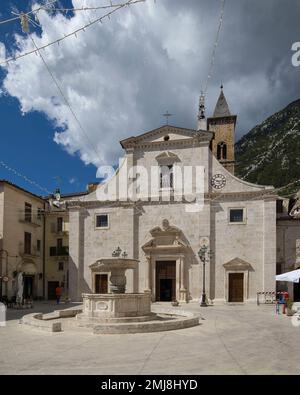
column 167, row 115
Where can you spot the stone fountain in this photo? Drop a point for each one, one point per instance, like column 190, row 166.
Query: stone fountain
column 116, row 306
column 117, row 311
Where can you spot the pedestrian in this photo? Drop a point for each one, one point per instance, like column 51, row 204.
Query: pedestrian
column 58, row 291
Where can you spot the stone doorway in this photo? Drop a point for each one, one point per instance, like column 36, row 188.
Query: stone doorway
column 236, row 288
column 165, row 281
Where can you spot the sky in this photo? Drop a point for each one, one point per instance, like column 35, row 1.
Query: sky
column 121, row 75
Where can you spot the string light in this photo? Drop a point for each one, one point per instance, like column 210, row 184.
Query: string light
column 36, row 10
column 97, row 20
column 216, row 43
column 17, row 173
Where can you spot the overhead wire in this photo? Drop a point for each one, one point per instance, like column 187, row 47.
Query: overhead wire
column 73, row 33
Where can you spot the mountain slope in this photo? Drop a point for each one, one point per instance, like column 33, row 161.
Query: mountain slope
column 270, row 153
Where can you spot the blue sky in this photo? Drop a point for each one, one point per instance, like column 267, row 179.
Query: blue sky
column 27, row 140
column 122, row 75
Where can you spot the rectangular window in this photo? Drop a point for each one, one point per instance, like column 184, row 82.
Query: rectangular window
column 38, row 245
column 237, row 215
column 60, row 266
column 102, row 221
column 39, row 214
column 28, row 212
column 166, row 176
column 59, row 224
column 27, row 243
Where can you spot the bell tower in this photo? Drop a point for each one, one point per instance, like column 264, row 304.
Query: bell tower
column 222, row 123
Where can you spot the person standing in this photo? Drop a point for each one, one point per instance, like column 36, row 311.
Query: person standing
column 58, row 291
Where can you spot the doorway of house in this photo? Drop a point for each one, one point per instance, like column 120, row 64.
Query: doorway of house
column 296, row 292
column 28, row 287
column 52, row 285
column 101, row 283
column 165, row 281
column 236, row 287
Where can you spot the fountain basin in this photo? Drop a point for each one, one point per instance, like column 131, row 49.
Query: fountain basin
column 115, row 306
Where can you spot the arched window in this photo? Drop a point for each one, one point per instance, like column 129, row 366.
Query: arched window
column 222, row 151
column 166, row 162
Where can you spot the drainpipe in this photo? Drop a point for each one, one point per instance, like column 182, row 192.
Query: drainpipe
column 44, row 252
column 6, row 271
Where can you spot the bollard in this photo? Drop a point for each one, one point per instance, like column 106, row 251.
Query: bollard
column 2, row 314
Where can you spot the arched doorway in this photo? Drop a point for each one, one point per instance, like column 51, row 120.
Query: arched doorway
column 28, row 268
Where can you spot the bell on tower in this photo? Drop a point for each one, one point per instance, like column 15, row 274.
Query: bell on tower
column 222, row 123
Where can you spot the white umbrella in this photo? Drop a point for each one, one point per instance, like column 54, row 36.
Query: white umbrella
column 292, row 277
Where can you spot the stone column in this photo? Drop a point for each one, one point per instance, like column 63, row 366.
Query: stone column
column 182, row 289
column 148, row 274
column 75, row 254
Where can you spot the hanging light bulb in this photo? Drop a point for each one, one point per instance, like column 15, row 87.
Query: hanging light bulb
column 24, row 22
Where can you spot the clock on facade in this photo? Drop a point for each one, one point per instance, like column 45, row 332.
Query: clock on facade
column 218, row 181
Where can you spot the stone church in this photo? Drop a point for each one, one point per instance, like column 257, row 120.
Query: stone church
column 236, row 222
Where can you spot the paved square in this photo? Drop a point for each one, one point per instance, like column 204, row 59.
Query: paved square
column 240, row 339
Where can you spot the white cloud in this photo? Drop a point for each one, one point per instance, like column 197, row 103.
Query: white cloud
column 120, row 76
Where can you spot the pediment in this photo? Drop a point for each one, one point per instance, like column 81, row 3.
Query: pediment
column 167, row 237
column 164, row 134
column 238, row 264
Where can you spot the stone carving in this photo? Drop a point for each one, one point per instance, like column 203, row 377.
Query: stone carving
column 101, row 306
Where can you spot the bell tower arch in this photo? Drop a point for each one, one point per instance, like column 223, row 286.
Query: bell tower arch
column 222, row 123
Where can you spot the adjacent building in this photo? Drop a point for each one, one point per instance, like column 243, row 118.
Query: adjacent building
column 57, row 247
column 288, row 242
column 21, row 240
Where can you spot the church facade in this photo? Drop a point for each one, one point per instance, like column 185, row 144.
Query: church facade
column 235, row 222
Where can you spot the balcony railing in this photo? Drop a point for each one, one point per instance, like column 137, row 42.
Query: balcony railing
column 59, row 251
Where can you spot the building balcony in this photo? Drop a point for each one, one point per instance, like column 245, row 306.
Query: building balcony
column 31, row 252
column 64, row 230
column 59, row 252
column 32, row 219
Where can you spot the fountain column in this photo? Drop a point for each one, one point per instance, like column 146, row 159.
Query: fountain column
column 118, row 281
